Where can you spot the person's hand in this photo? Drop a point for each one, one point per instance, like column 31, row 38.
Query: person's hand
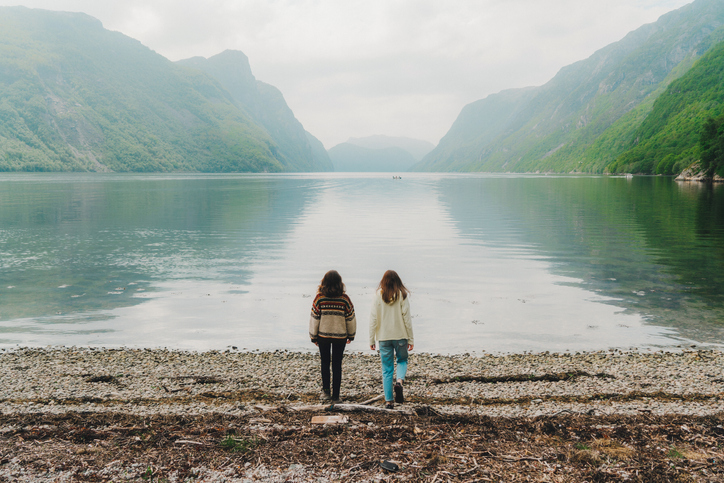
column 372, row 347
column 410, row 347
column 349, row 341
column 317, row 344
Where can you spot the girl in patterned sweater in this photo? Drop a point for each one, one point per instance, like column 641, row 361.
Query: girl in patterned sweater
column 332, row 325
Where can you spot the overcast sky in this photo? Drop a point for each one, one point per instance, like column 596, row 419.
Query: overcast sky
column 351, row 68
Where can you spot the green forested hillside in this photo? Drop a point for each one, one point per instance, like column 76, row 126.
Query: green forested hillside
column 265, row 104
column 77, row 97
column 667, row 141
column 581, row 120
column 711, row 146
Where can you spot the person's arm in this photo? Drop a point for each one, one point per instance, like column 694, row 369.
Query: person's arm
column 373, row 322
column 351, row 321
column 407, row 319
column 314, row 318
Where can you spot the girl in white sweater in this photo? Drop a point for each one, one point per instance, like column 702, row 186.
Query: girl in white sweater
column 391, row 326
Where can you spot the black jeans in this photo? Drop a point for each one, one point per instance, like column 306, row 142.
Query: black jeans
column 336, row 348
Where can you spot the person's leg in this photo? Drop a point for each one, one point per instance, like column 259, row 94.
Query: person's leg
column 337, row 355
column 401, row 350
column 324, row 356
column 387, row 356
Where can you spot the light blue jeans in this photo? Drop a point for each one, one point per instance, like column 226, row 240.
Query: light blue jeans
column 388, row 348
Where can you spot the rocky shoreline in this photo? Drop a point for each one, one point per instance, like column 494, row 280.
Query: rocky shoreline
column 695, row 173
column 256, row 392
column 155, row 381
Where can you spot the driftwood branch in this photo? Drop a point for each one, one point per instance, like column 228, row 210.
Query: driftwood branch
column 374, row 399
column 350, row 408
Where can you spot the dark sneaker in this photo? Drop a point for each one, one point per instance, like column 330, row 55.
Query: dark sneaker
column 389, row 406
column 399, row 396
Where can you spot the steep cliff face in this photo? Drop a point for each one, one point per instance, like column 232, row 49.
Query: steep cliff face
column 319, row 153
column 476, row 127
column 75, row 97
column 555, row 126
column 265, row 104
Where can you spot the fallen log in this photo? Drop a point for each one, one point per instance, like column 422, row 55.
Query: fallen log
column 351, row 408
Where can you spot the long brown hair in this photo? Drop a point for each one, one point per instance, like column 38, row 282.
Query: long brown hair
column 391, row 286
column 331, row 284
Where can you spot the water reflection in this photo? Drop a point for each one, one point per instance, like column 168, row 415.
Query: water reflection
column 651, row 245
column 496, row 263
column 74, row 247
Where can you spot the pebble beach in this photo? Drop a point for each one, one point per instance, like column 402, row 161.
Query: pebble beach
column 88, row 414
column 152, row 381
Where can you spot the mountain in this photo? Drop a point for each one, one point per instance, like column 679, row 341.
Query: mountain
column 319, row 153
column 477, row 125
column 416, row 147
column 563, row 126
column 265, row 104
column 667, row 141
column 77, row 97
column 350, row 157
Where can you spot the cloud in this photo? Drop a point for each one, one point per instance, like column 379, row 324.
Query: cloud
column 398, row 67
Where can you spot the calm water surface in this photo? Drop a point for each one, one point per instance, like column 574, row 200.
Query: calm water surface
column 495, row 263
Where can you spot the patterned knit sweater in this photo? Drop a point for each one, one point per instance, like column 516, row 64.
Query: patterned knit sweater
column 332, row 318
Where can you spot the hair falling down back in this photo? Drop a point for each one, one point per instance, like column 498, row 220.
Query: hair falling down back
column 331, row 285
column 391, row 286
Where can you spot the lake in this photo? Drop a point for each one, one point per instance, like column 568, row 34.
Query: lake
column 495, row 263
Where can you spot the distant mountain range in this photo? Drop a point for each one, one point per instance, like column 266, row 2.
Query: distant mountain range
column 378, row 154
column 603, row 113
column 77, row 97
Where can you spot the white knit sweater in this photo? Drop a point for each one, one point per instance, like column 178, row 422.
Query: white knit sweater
column 390, row 321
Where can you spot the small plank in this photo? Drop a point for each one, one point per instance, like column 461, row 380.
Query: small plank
column 338, row 419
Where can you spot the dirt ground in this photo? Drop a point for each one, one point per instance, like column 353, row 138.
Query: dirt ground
column 426, row 447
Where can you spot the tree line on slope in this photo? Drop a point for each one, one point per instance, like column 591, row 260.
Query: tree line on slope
column 674, row 135
column 711, row 145
column 612, row 112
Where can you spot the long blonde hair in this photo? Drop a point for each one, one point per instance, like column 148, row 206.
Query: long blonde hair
column 391, row 285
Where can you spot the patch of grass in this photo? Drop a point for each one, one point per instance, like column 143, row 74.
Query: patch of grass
column 689, row 454
column 675, row 453
column 148, row 474
column 239, row 445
